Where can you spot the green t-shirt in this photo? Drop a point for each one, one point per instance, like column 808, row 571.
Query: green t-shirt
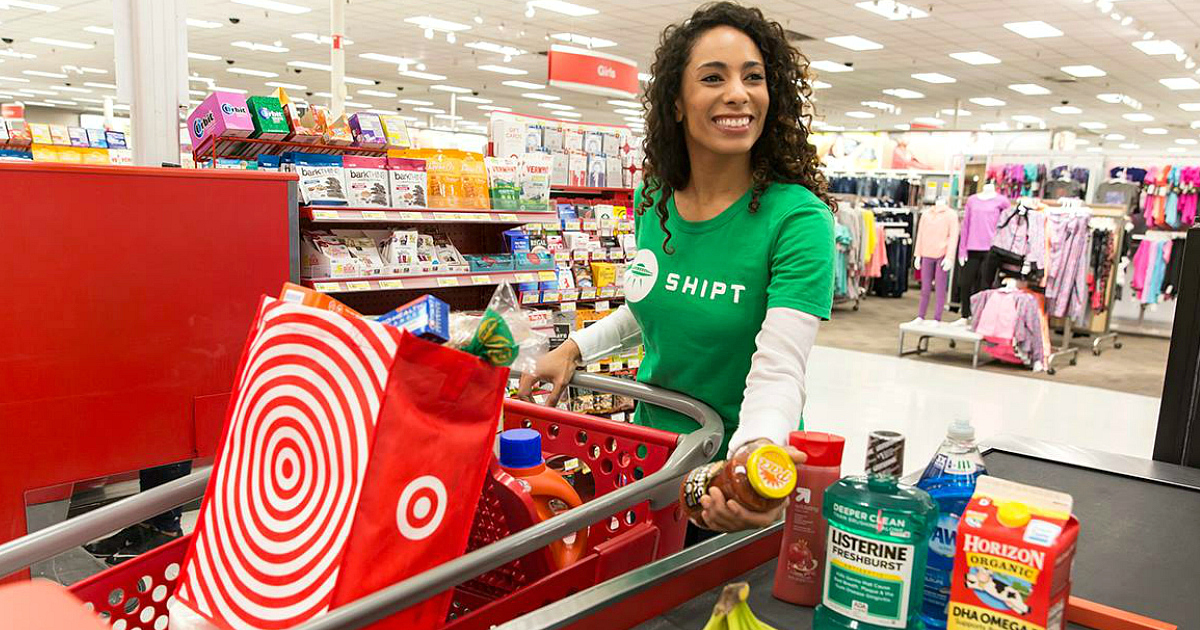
column 701, row 307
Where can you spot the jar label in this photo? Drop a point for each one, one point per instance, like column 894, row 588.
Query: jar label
column 695, row 485
column 868, row 579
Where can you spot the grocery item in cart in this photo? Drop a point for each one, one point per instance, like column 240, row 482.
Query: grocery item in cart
column 760, row 477
column 521, row 457
column 310, row 297
column 1012, row 568
column 950, row 480
column 334, row 456
column 426, row 317
column 732, row 612
column 875, row 554
column 802, row 554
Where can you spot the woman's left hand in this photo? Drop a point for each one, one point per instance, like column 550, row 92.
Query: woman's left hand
column 723, row 514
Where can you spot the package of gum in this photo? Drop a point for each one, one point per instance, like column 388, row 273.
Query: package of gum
column 40, row 132
column 61, row 136
column 269, row 121
column 368, row 130
column 302, row 126
column 396, row 132
column 221, row 115
column 78, row 136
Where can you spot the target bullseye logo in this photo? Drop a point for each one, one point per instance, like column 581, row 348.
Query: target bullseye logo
column 421, row 507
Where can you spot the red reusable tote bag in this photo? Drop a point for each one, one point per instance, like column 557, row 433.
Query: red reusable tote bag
column 343, row 440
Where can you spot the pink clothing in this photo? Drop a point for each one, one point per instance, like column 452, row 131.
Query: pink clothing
column 980, row 219
column 999, row 319
column 879, row 258
column 937, row 233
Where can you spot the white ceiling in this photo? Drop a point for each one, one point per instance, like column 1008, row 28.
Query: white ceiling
column 909, row 46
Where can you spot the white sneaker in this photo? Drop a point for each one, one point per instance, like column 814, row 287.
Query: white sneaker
column 918, row 321
column 961, row 322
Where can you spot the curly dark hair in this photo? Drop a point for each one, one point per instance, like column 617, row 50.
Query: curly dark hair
column 781, row 154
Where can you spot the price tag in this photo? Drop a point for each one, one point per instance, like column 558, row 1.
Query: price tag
column 358, row 286
column 447, row 282
column 410, row 216
column 635, row 363
column 587, row 294
column 593, row 368
column 619, row 416
column 529, row 297
column 527, row 277
column 608, row 292
column 570, row 295
column 481, row 279
column 549, row 296
column 508, row 217
column 374, row 215
column 324, row 214
column 561, row 256
column 327, row 286
column 573, row 224
column 568, row 307
column 590, row 225
column 603, row 306
column 391, row 284
column 551, row 227
column 625, row 224
column 547, row 276
column 581, row 255
column 616, row 365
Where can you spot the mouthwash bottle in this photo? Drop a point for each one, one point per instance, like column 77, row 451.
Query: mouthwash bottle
column 875, row 555
column 950, row 480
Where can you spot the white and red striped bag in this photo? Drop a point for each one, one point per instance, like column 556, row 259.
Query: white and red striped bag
column 341, row 443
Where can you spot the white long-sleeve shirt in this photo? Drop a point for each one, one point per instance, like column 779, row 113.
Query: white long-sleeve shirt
column 775, row 394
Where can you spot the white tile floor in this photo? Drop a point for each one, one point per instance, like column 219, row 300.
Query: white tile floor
column 853, row 393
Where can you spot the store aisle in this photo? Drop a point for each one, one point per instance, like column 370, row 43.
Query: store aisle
column 853, row 393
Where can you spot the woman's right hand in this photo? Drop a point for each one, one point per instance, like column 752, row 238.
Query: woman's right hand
column 555, row 367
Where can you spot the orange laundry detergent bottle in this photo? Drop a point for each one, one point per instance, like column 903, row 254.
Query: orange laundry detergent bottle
column 521, row 457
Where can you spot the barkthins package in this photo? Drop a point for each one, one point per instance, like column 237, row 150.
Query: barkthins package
column 366, row 181
column 1012, row 567
column 408, row 182
column 321, row 179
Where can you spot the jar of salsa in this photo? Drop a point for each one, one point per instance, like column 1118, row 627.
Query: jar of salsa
column 760, row 477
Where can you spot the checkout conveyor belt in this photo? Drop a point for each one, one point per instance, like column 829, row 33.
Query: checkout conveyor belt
column 1139, row 550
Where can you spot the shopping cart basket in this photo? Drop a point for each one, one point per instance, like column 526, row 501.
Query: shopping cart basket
column 634, row 519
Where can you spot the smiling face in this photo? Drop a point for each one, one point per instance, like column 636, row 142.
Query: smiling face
column 723, row 97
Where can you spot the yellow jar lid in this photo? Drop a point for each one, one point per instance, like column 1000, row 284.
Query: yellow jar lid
column 1013, row 514
column 771, row 471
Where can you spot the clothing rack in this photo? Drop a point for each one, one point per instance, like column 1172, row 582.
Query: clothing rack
column 1140, row 327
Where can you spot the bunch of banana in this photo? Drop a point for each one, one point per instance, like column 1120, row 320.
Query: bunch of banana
column 732, row 612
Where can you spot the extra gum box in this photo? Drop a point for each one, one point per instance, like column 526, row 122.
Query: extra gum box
column 222, row 114
column 1012, row 564
column 426, row 317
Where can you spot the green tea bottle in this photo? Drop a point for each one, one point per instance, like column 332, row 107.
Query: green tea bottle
column 875, row 556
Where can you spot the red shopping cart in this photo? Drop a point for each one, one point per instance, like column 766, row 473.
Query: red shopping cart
column 634, row 519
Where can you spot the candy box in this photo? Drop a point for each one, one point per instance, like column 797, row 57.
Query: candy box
column 396, row 132
column 426, row 317
column 222, row 114
column 40, row 133
column 368, row 130
column 1014, row 550
column 97, row 139
column 19, row 134
column 115, row 139
column 533, row 261
column 490, row 262
column 303, row 126
column 61, row 136
column 309, row 297
column 269, row 120
column 77, row 135
column 337, row 130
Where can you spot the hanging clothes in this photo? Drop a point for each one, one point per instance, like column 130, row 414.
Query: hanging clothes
column 1103, row 244
column 870, row 238
column 1022, row 235
column 1066, row 275
column 841, row 270
column 1012, row 324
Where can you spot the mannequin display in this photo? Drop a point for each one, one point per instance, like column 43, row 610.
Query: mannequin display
column 937, row 242
column 980, row 218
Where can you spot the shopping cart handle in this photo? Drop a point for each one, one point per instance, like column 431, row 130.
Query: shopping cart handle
column 694, row 449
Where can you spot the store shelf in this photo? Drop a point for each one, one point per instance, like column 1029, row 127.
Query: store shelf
column 253, row 147
column 420, row 215
column 586, row 190
column 432, row 281
column 581, row 225
column 571, row 296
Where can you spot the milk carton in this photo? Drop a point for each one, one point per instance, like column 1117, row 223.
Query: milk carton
column 1012, row 568
column 222, row 114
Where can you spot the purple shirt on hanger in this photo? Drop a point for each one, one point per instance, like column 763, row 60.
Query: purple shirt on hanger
column 979, row 223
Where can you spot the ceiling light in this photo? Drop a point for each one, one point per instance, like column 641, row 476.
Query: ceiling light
column 473, row 99
column 1079, row 142
column 252, row 73
column 258, row 47
column 820, row 85
column 1190, row 107
column 1181, row 83
column 1187, row 141
column 499, row 49
column 69, row 88
column 194, row 23
column 429, row 110
column 428, row 76
column 308, row 65
column 927, row 120
column 1154, row 131
column 1120, row 98
column 559, row 6
column 987, row 101
column 413, row 101
column 286, row 86
column 933, row 77
column 197, row 79
column 379, row 93
column 447, row 116
column 1126, row 21
column 556, row 106
column 626, row 104
column 17, row 55
column 1158, row 47
column 1036, row 29
column 320, row 39
column 858, row 114
column 87, row 70
column 1114, row 136
column 99, row 30
column 902, row 126
column 358, row 105
column 853, row 42
column 891, row 9
column 358, row 81
column 644, row 77
column 1095, row 149
column 1067, row 110
column 1028, row 119
column 399, row 61
column 61, row 42
column 952, row 111
column 203, row 56
column 17, row 80
column 40, row 104
column 1130, row 146
column 39, row 92
column 48, row 75
column 628, row 112
column 323, row 95
column 830, row 66
column 274, row 5
column 197, row 92
column 84, row 99
column 228, row 89
column 33, row 6
column 451, row 88
column 1093, row 125
column 634, row 120
column 538, row 96
column 502, row 69
column 1138, row 117
column 1148, row 35
column 524, row 85
column 104, row 86
column 58, row 102
column 1029, row 89
column 903, row 93
column 568, row 115
column 437, row 24
column 495, row 108
column 584, row 40
column 975, row 58
column 1176, row 149
column 1083, row 72
column 994, row 126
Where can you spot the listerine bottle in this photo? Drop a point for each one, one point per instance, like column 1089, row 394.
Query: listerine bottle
column 875, row 555
column 950, row 480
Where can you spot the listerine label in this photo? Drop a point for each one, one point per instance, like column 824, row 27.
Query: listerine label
column 882, row 522
column 868, row 579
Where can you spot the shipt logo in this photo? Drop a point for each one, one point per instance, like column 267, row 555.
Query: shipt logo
column 641, row 275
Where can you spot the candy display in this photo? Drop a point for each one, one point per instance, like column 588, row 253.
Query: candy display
column 384, row 253
column 221, row 115
column 270, row 123
column 368, row 130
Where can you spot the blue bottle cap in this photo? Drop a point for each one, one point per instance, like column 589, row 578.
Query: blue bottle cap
column 520, row 448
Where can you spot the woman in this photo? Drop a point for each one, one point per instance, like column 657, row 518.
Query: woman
column 732, row 279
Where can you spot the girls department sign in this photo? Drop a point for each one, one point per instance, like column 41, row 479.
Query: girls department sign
column 591, row 72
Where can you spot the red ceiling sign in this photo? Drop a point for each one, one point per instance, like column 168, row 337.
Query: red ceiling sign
column 12, row 110
column 592, row 72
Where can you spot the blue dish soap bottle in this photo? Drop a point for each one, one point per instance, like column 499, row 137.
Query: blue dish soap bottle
column 950, row 480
